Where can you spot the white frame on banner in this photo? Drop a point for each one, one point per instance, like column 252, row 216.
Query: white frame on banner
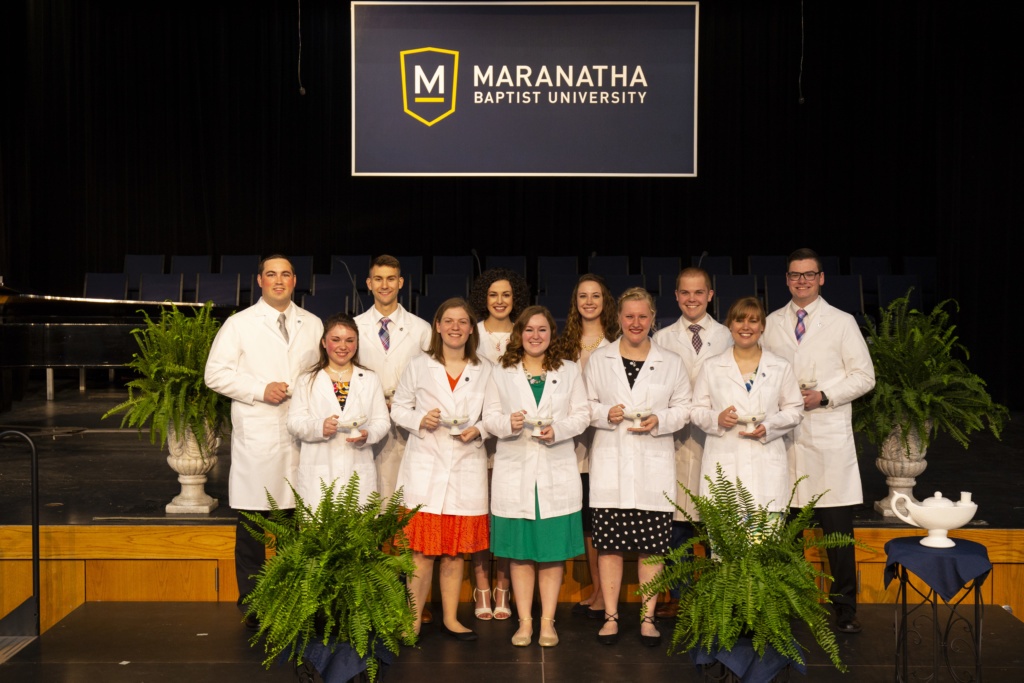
column 441, row 116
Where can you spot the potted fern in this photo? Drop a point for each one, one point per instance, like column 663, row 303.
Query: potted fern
column 169, row 395
column 738, row 603
column 330, row 597
column 923, row 388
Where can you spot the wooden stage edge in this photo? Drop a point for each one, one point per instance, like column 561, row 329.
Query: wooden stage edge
column 196, row 563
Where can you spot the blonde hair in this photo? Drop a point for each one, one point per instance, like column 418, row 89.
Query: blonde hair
column 638, row 294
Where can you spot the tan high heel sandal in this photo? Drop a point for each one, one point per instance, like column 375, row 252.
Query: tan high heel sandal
column 501, row 609
column 482, row 613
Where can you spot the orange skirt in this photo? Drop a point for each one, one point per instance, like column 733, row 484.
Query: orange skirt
column 448, row 534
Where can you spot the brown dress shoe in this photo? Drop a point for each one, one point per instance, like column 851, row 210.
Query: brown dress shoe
column 667, row 610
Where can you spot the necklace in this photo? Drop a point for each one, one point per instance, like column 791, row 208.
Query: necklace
column 592, row 346
column 535, row 379
column 340, row 374
column 496, row 338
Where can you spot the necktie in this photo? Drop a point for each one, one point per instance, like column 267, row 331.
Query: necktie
column 696, row 340
column 282, row 325
column 385, row 338
column 800, row 329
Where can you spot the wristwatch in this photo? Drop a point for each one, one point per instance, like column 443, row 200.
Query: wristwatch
column 824, row 399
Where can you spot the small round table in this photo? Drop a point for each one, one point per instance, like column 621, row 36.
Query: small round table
column 945, row 572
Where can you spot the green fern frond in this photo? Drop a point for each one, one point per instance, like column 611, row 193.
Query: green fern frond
column 168, row 389
column 754, row 582
column 922, row 384
column 329, row 581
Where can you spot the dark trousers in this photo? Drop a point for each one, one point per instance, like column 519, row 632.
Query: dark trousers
column 250, row 554
column 842, row 561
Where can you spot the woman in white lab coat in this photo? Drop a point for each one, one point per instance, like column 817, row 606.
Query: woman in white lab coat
column 633, row 468
column 536, row 497
column 592, row 323
column 745, row 399
column 445, row 473
column 498, row 296
column 336, row 390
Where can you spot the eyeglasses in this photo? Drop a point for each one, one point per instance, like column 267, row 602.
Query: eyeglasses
column 809, row 275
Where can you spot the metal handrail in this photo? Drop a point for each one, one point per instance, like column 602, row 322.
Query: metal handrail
column 26, row 616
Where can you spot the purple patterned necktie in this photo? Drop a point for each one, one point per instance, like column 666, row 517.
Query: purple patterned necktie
column 800, row 329
column 385, row 338
column 696, row 340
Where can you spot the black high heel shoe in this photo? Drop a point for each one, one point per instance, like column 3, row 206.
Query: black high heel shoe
column 650, row 641
column 609, row 638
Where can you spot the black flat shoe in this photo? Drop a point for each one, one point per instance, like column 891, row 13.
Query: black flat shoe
column 595, row 613
column 610, row 638
column 580, row 609
column 848, row 624
column 650, row 641
column 463, row 636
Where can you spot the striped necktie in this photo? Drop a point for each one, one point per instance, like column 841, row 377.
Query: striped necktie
column 385, row 337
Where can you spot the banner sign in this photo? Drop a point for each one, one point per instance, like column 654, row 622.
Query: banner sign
column 548, row 89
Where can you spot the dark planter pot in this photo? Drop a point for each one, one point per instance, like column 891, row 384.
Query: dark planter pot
column 741, row 664
column 307, row 673
column 720, row 673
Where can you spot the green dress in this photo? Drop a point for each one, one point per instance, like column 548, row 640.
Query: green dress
column 542, row 540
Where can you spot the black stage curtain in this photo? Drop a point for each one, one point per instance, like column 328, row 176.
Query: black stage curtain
column 178, row 127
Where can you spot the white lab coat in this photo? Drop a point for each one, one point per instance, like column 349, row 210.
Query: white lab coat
column 333, row 459
column 492, row 347
column 822, row 447
column 633, row 470
column 409, row 337
column 759, row 463
column 689, row 441
column 523, row 463
column 585, row 441
column 248, row 354
column 438, row 470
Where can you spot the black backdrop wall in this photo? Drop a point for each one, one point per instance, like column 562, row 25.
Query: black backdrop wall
column 178, row 127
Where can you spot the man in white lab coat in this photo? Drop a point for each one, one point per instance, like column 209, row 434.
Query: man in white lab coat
column 695, row 337
column 832, row 365
column 389, row 337
column 255, row 360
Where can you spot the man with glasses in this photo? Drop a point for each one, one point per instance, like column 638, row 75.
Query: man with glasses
column 831, row 360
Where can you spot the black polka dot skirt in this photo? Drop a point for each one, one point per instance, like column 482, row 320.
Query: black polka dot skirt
column 643, row 531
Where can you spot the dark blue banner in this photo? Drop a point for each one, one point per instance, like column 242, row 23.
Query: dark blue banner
column 524, row 89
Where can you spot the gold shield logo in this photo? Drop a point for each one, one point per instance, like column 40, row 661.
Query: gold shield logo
column 430, row 78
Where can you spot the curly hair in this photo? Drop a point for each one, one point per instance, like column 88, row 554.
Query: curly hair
column 514, row 352
column 570, row 343
column 478, row 294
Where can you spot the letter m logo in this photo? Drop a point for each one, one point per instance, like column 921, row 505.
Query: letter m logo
column 429, row 79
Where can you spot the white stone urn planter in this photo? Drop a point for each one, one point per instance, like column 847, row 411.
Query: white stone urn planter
column 187, row 459
column 901, row 466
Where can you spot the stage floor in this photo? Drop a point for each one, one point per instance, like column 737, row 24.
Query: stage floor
column 92, row 473
column 206, row 643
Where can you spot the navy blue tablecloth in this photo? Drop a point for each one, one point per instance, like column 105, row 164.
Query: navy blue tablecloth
column 945, row 570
